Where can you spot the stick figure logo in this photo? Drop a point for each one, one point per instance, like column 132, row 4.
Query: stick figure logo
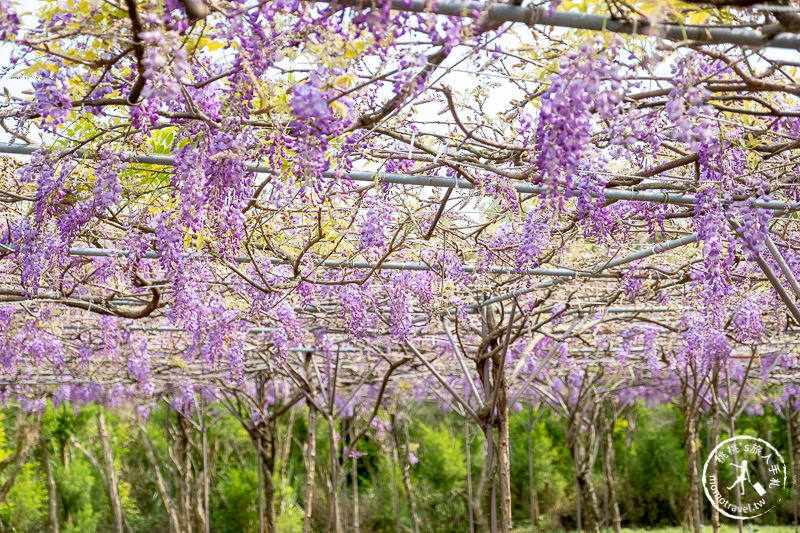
column 744, row 477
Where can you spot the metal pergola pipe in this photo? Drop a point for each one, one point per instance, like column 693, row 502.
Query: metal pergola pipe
column 772, row 277
column 560, row 272
column 658, row 197
column 535, row 16
column 660, row 247
column 366, row 265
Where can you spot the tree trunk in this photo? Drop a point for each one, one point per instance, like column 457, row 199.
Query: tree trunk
column 402, row 460
column 311, row 457
column 163, row 492
column 480, row 518
column 795, row 439
column 608, row 472
column 354, row 479
column 185, row 478
column 484, row 370
column 395, row 495
column 333, row 493
column 580, row 445
column 496, row 391
column 170, row 473
column 592, row 509
column 284, row 457
column 734, row 454
column 500, row 392
column 112, row 483
column 260, row 471
column 269, row 496
column 52, row 509
column 713, row 441
column 690, row 434
column 578, row 496
column 503, row 454
column 199, row 506
column 470, row 502
column 206, row 473
column 65, row 454
column 19, row 457
column 19, row 462
column 534, row 504
column 266, row 447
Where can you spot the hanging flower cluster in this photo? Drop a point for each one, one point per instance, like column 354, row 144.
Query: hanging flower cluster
column 588, row 83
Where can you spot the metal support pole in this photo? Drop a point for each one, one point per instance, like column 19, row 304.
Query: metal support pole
column 658, row 197
column 533, row 16
column 787, row 272
column 661, row 247
column 773, row 278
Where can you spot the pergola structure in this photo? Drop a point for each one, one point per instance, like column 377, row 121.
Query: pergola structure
column 331, row 204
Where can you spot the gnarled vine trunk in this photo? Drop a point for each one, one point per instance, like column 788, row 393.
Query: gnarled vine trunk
column 713, row 440
column 582, row 442
column 693, row 478
column 311, row 458
column 503, row 448
column 264, row 437
column 534, row 503
column 490, row 366
column 334, row 524
column 609, row 456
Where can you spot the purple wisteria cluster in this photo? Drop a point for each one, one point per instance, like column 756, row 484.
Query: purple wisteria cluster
column 53, row 101
column 164, row 64
column 536, row 234
column 704, row 344
column 314, row 123
column 588, row 84
column 712, row 232
column 215, row 187
column 687, row 108
column 748, row 324
column 375, row 224
column 9, row 20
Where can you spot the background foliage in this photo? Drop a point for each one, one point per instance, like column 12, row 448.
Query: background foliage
column 650, row 471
